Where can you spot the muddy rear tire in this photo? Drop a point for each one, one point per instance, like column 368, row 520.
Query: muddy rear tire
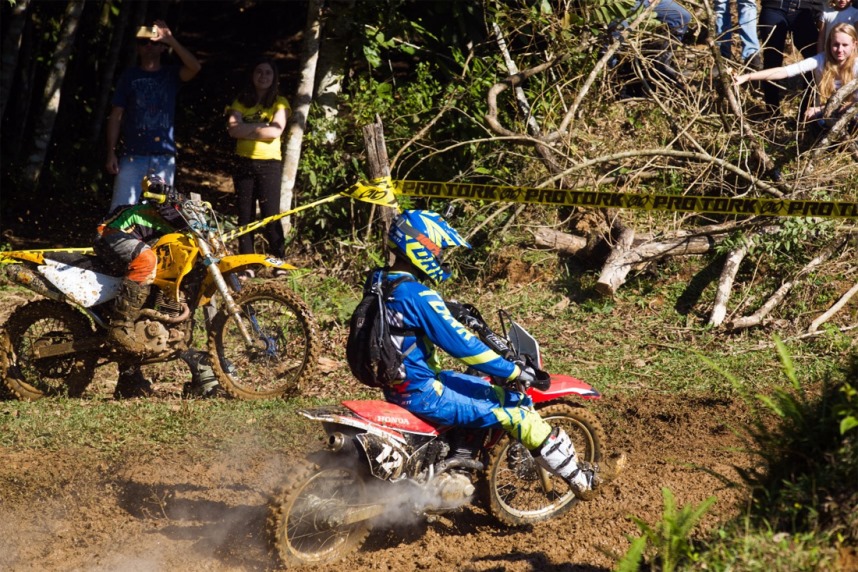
column 517, row 491
column 38, row 324
column 286, row 344
column 302, row 514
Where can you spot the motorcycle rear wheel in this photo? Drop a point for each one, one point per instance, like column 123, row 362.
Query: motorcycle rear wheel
column 40, row 324
column 514, row 487
column 286, row 348
column 302, row 514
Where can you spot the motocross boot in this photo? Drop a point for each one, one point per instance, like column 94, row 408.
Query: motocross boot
column 131, row 383
column 126, row 308
column 203, row 380
column 557, row 455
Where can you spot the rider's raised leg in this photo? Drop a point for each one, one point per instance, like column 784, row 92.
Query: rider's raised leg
column 557, row 455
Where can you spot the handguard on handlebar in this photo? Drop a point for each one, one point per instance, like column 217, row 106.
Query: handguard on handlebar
column 471, row 318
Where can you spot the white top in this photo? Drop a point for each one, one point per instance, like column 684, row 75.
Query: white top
column 831, row 18
column 816, row 64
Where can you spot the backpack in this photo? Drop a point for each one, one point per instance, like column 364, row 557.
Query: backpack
column 373, row 357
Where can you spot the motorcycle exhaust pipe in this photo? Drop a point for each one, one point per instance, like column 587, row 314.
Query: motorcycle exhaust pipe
column 339, row 443
column 29, row 279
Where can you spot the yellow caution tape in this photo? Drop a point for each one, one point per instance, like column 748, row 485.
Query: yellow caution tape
column 602, row 199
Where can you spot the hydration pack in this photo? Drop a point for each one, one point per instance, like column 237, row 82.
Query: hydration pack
column 372, row 355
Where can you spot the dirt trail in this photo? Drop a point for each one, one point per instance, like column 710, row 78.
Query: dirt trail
column 67, row 510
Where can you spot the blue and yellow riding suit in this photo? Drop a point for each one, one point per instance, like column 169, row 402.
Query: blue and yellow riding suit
column 447, row 397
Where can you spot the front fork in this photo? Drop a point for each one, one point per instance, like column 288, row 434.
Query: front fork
column 232, row 308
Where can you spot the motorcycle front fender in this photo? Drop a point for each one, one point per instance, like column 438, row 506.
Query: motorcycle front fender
column 562, row 386
column 237, row 262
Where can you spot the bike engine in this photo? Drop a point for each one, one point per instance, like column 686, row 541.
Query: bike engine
column 169, row 307
column 157, row 337
column 153, row 334
column 453, row 489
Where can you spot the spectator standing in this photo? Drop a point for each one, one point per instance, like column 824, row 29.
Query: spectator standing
column 778, row 18
column 832, row 69
column 747, row 24
column 840, row 11
column 144, row 108
column 256, row 120
column 670, row 13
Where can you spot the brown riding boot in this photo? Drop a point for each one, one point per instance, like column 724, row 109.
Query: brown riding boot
column 126, row 308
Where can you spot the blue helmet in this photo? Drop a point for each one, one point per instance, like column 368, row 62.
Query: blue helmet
column 421, row 236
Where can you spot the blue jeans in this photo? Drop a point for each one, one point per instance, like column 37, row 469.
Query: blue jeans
column 747, row 24
column 128, row 186
column 671, row 13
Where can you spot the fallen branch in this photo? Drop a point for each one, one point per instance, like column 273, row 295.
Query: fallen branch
column 725, row 283
column 777, row 298
column 833, row 309
column 622, row 261
column 560, row 241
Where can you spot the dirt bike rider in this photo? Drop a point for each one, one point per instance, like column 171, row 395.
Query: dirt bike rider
column 417, row 239
column 123, row 243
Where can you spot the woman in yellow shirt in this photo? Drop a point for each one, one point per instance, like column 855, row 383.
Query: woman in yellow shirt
column 256, row 119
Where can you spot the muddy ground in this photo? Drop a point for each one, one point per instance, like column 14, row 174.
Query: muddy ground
column 194, row 509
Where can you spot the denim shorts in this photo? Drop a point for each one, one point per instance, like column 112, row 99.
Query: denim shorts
column 128, row 185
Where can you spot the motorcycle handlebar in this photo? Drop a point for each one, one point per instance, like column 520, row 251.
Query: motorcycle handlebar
column 471, row 318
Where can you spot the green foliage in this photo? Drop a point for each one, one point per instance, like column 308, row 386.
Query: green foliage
column 808, row 450
column 793, row 241
column 749, row 548
column 669, row 539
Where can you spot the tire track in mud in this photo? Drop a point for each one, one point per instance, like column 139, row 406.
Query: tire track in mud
column 194, row 510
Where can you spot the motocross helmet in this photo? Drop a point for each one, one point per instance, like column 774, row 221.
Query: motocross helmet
column 421, row 236
column 167, row 200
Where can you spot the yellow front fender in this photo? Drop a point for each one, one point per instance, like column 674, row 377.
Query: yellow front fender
column 237, row 262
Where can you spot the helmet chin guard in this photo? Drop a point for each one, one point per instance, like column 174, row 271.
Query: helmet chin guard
column 421, row 236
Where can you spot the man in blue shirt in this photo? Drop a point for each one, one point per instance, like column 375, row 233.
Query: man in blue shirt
column 144, row 106
column 417, row 239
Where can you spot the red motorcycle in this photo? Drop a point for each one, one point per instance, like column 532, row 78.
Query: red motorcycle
column 381, row 460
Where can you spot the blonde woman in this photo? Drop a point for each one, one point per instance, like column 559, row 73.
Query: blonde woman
column 831, row 70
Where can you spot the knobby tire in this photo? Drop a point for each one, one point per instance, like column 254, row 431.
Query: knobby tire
column 298, row 530
column 512, row 488
column 43, row 322
column 287, row 344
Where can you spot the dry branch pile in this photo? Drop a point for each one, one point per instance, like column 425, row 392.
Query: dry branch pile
column 714, row 141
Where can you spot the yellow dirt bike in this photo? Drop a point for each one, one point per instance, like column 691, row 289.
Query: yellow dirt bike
column 262, row 338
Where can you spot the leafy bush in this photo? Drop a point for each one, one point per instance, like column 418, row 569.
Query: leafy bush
column 807, row 442
column 669, row 539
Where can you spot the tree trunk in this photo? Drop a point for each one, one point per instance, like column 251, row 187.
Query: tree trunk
column 25, row 80
column 117, row 38
column 378, row 165
column 53, row 91
column 11, row 49
column 618, row 265
column 332, row 59
column 300, row 109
